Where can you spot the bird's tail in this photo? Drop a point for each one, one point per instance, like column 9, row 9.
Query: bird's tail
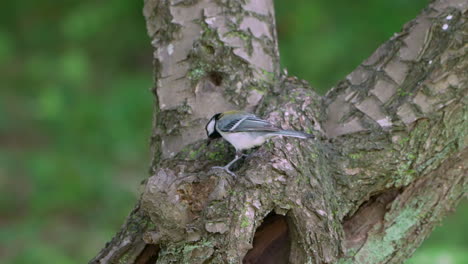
column 293, row 133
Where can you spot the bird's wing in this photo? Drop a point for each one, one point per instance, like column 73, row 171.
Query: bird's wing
column 248, row 124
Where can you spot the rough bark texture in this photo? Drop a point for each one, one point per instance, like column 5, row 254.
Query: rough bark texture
column 388, row 163
column 210, row 56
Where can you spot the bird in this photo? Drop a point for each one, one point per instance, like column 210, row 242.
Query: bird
column 244, row 131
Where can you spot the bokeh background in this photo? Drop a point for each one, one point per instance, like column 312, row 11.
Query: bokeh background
column 75, row 113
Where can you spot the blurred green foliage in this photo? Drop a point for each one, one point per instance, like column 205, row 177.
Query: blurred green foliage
column 75, row 115
column 321, row 41
column 74, row 126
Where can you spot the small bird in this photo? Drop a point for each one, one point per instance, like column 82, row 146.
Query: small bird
column 244, row 131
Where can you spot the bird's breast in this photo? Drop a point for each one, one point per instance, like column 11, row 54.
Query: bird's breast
column 244, row 140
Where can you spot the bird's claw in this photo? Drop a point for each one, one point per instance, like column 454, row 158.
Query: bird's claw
column 226, row 169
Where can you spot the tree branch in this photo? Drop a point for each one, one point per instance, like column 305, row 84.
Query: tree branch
column 386, row 166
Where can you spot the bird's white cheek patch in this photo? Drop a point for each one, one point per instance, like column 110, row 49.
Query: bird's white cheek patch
column 210, row 127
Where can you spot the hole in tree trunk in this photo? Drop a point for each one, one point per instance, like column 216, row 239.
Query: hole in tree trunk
column 149, row 255
column 215, row 77
column 370, row 213
column 271, row 243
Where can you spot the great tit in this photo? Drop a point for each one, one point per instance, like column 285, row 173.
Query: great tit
column 244, row 131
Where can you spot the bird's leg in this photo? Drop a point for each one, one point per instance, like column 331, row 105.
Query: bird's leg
column 251, row 152
column 239, row 155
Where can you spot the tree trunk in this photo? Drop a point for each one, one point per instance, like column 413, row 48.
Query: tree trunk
column 388, row 161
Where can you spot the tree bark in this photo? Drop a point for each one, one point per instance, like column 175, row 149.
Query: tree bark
column 388, row 161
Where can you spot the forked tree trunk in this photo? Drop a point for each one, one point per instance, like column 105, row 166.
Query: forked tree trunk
column 388, row 161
